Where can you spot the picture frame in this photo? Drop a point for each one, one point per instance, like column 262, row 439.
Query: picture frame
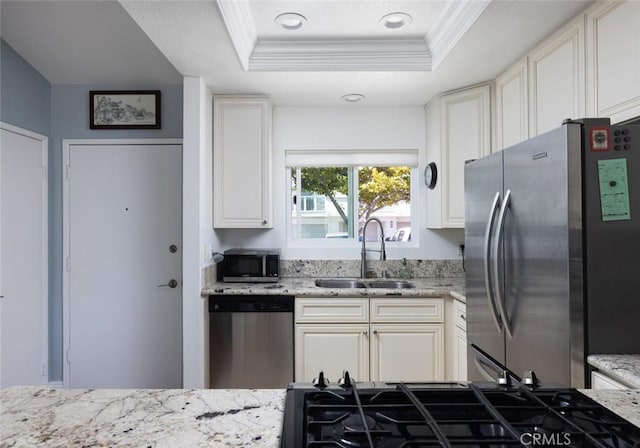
column 124, row 109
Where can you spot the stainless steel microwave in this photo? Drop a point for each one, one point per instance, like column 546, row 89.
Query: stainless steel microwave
column 249, row 265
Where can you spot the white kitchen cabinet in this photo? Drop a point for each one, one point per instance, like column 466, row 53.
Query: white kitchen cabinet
column 602, row 381
column 380, row 339
column 557, row 79
column 456, row 341
column 458, row 129
column 512, row 106
column 407, row 352
column 613, row 60
column 242, row 170
column 331, row 348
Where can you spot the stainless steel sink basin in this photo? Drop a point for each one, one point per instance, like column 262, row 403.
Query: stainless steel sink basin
column 390, row 284
column 340, row 283
column 351, row 283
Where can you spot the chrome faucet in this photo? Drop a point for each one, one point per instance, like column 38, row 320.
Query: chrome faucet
column 363, row 255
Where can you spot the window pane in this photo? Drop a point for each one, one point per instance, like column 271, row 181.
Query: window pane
column 330, row 197
column 385, row 193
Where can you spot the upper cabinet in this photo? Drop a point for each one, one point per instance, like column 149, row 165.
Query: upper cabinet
column 613, row 60
column 512, row 106
column 458, row 129
column 557, row 79
column 242, row 183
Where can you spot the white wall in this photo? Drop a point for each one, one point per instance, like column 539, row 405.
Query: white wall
column 345, row 128
column 198, row 236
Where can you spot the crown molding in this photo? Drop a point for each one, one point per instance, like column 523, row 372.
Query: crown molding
column 239, row 22
column 375, row 54
column 454, row 21
column 341, row 55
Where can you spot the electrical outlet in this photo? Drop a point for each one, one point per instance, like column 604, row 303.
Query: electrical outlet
column 460, row 249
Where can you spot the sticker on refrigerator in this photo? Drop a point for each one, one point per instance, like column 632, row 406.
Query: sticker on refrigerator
column 614, row 189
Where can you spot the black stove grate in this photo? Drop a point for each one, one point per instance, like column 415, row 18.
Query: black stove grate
column 475, row 417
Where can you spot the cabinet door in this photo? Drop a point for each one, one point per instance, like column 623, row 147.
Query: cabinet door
column 332, row 349
column 512, row 102
column 557, row 85
column 466, row 134
column 460, row 359
column 613, row 60
column 410, row 353
column 242, row 196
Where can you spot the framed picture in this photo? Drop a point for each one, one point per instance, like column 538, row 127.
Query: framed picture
column 124, row 109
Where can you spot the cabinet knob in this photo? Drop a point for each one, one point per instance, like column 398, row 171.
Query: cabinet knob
column 463, row 317
column 365, row 332
column 264, row 223
column 375, row 331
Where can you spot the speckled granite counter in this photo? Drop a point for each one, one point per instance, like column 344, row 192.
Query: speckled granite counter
column 176, row 418
column 625, row 368
column 171, row 418
column 424, row 287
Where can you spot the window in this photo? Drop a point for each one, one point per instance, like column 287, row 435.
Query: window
column 333, row 201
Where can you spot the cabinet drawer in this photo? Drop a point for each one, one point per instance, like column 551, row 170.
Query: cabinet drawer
column 332, row 310
column 407, row 310
column 460, row 310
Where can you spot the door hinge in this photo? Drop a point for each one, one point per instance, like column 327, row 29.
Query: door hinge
column 68, row 356
column 68, row 172
column 43, row 371
column 68, row 264
column 44, row 172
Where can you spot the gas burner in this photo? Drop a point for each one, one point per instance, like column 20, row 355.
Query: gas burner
column 354, row 433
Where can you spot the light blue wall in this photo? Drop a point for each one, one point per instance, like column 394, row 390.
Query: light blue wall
column 25, row 95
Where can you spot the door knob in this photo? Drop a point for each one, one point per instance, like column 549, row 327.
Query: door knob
column 173, row 249
column 172, row 284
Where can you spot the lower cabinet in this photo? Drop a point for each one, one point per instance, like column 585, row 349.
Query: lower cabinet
column 402, row 352
column 374, row 339
column 456, row 341
column 332, row 349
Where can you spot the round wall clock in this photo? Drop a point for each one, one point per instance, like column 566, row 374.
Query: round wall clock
column 431, row 175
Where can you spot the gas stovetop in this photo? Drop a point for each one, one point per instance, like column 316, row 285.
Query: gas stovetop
column 386, row 415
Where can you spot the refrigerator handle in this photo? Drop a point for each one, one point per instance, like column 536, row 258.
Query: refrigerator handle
column 496, row 263
column 486, row 255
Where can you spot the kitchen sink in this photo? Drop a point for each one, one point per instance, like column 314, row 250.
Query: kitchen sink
column 340, row 283
column 390, row 284
column 349, row 283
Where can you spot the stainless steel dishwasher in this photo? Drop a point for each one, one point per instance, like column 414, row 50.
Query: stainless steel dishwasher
column 251, row 341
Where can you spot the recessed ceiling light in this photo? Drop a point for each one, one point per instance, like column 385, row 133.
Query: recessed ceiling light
column 291, row 20
column 396, row 20
column 352, row 97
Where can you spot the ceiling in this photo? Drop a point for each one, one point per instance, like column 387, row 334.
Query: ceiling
column 236, row 47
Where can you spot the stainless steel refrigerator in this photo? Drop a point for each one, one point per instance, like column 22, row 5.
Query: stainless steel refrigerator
column 552, row 242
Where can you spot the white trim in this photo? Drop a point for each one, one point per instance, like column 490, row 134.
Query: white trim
column 454, row 21
column 351, row 157
column 376, row 54
column 341, row 55
column 66, row 147
column 45, row 239
column 238, row 18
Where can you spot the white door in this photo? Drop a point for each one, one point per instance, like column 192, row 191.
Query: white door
column 23, row 260
column 123, row 237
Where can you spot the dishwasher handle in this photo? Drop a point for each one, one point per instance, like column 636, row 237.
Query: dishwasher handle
column 250, row 304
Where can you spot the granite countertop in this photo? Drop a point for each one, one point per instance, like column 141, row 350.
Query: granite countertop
column 61, row 418
column 159, row 418
column 624, row 368
column 301, row 287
